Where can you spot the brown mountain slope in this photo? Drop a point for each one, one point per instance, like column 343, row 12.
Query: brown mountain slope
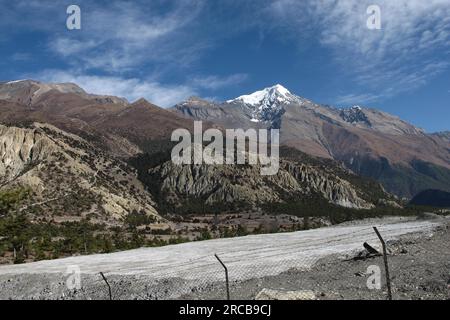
column 399, row 149
column 32, row 93
column 141, row 122
column 123, row 128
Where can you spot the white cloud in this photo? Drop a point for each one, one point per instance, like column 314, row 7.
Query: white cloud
column 356, row 99
column 115, row 36
column 134, row 88
column 130, row 88
column 399, row 57
column 68, row 47
column 128, row 34
column 119, row 41
column 138, row 38
column 216, row 82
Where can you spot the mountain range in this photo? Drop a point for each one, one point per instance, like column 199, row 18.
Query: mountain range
column 371, row 143
column 133, row 136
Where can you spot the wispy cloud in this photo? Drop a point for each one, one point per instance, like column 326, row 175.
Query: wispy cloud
column 130, row 88
column 400, row 57
column 216, row 82
column 125, row 48
column 129, row 34
column 116, row 35
column 161, row 42
column 356, row 99
column 135, row 88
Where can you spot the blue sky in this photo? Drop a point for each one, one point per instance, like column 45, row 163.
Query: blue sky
column 167, row 51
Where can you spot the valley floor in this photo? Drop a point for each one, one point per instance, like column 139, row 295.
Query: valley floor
column 317, row 260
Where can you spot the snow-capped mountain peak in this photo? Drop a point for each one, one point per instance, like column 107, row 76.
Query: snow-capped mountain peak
column 266, row 104
column 277, row 93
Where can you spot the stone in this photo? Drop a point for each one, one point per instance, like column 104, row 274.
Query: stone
column 271, row 294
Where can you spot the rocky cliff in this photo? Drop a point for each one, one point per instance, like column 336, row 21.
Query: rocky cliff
column 244, row 185
column 67, row 176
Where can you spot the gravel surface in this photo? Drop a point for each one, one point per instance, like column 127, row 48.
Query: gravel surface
column 317, row 260
column 419, row 265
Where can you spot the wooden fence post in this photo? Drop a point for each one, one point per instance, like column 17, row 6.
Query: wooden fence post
column 386, row 266
column 226, row 276
column 109, row 287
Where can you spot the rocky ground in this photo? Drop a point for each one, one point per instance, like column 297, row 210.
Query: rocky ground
column 419, row 266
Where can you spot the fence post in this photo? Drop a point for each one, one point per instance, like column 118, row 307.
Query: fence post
column 109, row 287
column 386, row 266
column 226, row 276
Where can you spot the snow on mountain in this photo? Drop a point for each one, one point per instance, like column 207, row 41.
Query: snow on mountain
column 17, row 81
column 355, row 115
column 378, row 120
column 267, row 95
column 268, row 103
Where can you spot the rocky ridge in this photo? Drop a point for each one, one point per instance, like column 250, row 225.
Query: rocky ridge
column 67, row 176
